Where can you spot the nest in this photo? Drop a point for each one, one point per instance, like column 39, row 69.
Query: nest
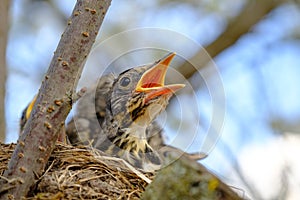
column 83, row 173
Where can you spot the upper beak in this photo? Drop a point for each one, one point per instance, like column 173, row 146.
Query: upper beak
column 152, row 81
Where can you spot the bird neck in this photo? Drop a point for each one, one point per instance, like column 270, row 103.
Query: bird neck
column 131, row 143
column 136, row 149
column 137, row 130
column 133, row 139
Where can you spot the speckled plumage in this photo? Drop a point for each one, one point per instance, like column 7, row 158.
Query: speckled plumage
column 114, row 119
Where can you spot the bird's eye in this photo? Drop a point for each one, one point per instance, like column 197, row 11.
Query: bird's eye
column 125, row 81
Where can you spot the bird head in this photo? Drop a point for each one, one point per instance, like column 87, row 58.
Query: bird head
column 140, row 94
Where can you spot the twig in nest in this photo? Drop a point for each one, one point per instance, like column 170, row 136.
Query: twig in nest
column 12, row 183
column 48, row 169
column 135, row 171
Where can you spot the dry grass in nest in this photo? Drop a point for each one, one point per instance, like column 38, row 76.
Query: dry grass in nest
column 83, row 173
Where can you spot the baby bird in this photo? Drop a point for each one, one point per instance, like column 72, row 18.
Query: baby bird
column 118, row 115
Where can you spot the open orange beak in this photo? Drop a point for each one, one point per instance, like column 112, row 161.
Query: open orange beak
column 152, row 81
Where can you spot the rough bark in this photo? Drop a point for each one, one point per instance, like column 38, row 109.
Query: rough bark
column 54, row 99
column 183, row 178
column 252, row 13
column 4, row 8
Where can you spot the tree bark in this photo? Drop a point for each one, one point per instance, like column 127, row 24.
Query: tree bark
column 252, row 13
column 4, row 8
column 184, row 178
column 54, row 99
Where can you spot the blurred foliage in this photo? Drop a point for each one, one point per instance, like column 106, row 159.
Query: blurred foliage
column 260, row 72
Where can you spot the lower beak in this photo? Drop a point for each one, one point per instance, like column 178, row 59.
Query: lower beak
column 152, row 81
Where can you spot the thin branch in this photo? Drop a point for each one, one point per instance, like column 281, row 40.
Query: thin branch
column 228, row 152
column 54, row 100
column 284, row 190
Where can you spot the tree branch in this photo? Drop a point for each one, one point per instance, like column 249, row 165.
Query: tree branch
column 253, row 12
column 4, row 8
column 54, row 100
column 183, row 178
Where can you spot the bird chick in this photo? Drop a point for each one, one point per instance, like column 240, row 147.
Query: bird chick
column 136, row 98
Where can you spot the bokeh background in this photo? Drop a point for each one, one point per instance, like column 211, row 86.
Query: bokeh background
column 255, row 47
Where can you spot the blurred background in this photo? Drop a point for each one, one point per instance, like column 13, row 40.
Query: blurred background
column 241, row 104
